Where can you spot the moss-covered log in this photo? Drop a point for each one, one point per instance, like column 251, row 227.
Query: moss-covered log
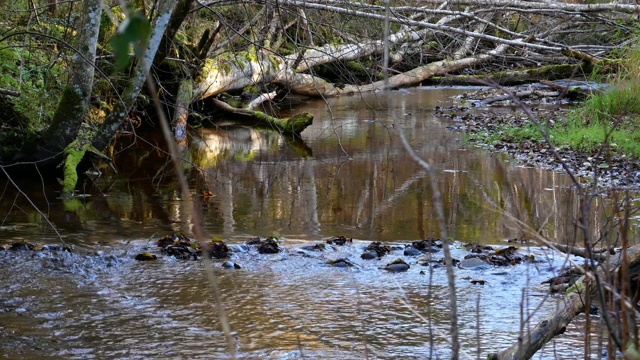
column 292, row 126
column 521, row 76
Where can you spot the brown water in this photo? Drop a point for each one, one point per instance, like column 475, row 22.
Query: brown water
column 353, row 178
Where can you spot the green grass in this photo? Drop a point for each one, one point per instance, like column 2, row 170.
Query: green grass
column 592, row 137
column 609, row 120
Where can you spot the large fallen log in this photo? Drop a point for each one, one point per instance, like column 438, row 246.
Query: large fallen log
column 293, row 126
column 572, row 305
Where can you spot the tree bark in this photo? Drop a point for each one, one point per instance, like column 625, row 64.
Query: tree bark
column 114, row 120
column 74, row 104
column 182, row 9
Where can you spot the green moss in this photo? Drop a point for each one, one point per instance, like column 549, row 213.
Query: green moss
column 356, row 67
column 552, row 71
column 249, row 55
column 299, row 122
column 577, row 287
column 73, row 154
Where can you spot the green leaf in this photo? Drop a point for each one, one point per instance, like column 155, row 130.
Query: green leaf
column 134, row 31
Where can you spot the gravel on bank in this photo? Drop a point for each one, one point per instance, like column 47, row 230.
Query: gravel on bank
column 473, row 115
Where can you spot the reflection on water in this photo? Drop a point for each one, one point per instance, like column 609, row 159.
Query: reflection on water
column 351, row 177
column 359, row 182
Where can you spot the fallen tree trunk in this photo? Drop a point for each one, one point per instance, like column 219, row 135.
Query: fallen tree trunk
column 293, row 126
column 520, row 94
column 572, row 305
column 598, row 254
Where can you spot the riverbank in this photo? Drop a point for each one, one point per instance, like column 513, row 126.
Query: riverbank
column 494, row 120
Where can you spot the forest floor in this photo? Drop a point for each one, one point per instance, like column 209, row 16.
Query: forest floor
column 498, row 126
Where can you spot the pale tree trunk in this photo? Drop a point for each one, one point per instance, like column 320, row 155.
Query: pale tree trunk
column 74, row 104
column 182, row 9
column 117, row 116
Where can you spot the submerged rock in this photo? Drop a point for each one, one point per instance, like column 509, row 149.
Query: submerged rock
column 411, row 251
column 266, row 246
column 231, row 265
column 474, row 263
column 181, row 247
column 145, row 257
column 314, row 247
column 340, row 263
column 340, row 240
column 477, row 248
column 22, row 245
column 369, row 255
column 398, row 265
column 428, row 245
column 218, row 249
column 375, row 250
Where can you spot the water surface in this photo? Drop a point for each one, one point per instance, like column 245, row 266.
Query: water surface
column 350, row 177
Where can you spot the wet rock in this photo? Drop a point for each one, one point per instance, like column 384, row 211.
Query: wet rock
column 266, row 246
column 477, row 282
column 428, row 245
column 231, row 265
column 376, row 248
column 340, row 241
column 398, row 265
column 477, row 248
column 145, row 257
column 369, row 255
column 314, row 247
column 179, row 246
column 171, row 239
column 340, row 263
column 562, row 282
column 59, row 247
column 218, row 249
column 411, row 251
column 183, row 248
column 474, row 263
column 425, row 259
column 22, row 246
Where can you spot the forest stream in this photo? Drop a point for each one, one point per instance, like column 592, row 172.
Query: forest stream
column 352, row 177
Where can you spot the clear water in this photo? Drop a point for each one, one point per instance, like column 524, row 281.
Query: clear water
column 352, row 177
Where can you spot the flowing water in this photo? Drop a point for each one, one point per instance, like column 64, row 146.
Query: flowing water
column 351, row 176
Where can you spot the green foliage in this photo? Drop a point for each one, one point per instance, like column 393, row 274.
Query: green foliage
column 39, row 82
column 134, row 32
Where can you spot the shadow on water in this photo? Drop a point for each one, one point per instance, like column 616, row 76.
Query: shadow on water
column 350, row 176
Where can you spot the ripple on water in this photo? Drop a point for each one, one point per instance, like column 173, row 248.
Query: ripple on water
column 279, row 306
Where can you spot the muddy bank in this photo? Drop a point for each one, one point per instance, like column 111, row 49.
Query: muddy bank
column 486, row 113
